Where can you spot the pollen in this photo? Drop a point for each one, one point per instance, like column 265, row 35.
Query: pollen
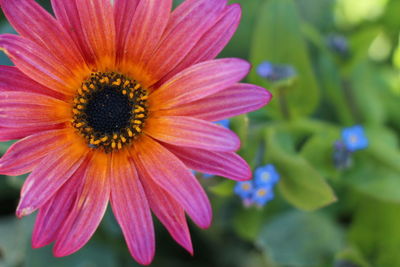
column 110, row 111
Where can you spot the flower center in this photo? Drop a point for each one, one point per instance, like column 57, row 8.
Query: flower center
column 110, row 110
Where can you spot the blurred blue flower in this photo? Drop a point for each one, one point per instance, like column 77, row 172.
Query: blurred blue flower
column 262, row 195
column 354, row 138
column 259, row 190
column 276, row 72
column 224, row 123
column 244, row 189
column 339, row 44
column 207, row 176
column 266, row 175
column 341, row 156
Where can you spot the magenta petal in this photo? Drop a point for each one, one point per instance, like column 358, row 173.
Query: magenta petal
column 235, row 100
column 146, row 29
column 37, row 63
column 212, row 42
column 7, row 134
column 97, row 18
column 173, row 176
column 48, row 176
column 187, row 24
column 199, row 81
column 37, row 25
column 191, row 132
column 24, row 155
column 53, row 214
column 167, row 210
column 23, row 109
column 12, row 79
column 226, row 164
column 88, row 210
column 131, row 209
column 67, row 14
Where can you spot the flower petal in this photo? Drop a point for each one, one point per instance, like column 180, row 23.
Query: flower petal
column 212, row 42
column 233, row 101
column 38, row 64
column 226, row 164
column 22, row 109
column 191, row 132
column 173, row 176
column 146, row 29
column 48, row 176
column 199, row 81
column 36, row 24
column 97, row 18
column 131, row 209
column 27, row 153
column 167, row 210
column 53, row 214
column 12, row 79
column 187, row 25
column 67, row 14
column 89, row 208
column 7, row 134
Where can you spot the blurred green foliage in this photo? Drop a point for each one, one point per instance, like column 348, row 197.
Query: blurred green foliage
column 321, row 216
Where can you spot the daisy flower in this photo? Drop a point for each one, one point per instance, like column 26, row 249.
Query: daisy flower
column 114, row 102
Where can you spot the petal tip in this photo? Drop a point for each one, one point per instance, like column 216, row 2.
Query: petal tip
column 21, row 212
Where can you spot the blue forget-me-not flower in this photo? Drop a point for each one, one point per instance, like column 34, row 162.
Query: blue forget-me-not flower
column 259, row 190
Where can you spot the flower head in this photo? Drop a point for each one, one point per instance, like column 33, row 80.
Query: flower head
column 244, row 189
column 258, row 191
column 115, row 102
column 266, row 175
column 339, row 44
column 354, row 138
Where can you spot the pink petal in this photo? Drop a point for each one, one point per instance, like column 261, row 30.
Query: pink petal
column 167, row 210
column 173, row 176
column 37, row 25
column 7, row 134
column 88, row 210
column 199, row 81
column 187, row 25
column 27, row 153
column 37, row 63
column 53, row 214
column 48, row 176
column 97, row 18
column 22, row 109
column 123, row 15
column 12, row 79
column 212, row 42
column 191, row 132
column 131, row 209
column 233, row 101
column 226, row 164
column 146, row 29
column 67, row 14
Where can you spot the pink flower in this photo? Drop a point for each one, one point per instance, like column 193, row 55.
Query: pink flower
column 114, row 103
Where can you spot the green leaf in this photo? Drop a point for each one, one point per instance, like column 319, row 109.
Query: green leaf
column 223, row 189
column 248, row 222
column 278, row 39
column 240, row 125
column 376, row 170
column 375, row 230
column 300, row 183
column 318, row 150
column 301, row 239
